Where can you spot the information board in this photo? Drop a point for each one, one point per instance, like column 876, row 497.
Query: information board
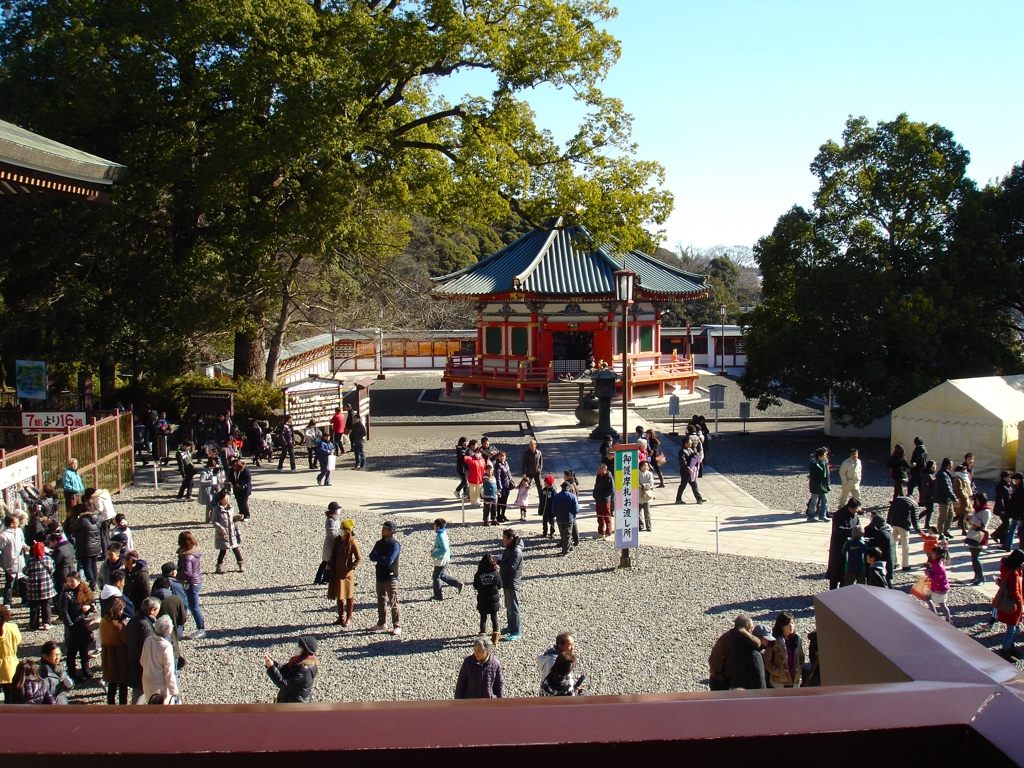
column 627, row 497
column 38, row 422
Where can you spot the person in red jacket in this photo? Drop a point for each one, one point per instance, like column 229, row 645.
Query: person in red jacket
column 1010, row 574
column 338, row 431
column 476, row 465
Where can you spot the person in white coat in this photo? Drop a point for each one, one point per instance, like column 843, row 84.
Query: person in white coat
column 159, row 674
column 849, row 477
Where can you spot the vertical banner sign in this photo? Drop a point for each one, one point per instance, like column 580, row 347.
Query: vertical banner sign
column 627, row 498
column 30, row 377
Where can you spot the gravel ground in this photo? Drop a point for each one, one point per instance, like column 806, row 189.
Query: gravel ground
column 620, row 620
column 733, row 398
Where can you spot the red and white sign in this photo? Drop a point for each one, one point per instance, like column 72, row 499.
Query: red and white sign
column 35, row 422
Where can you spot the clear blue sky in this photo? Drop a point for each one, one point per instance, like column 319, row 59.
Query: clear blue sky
column 734, row 97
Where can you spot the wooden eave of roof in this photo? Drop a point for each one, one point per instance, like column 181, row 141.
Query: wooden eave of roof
column 15, row 180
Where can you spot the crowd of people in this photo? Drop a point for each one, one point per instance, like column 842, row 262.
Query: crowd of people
column 864, row 543
column 88, row 572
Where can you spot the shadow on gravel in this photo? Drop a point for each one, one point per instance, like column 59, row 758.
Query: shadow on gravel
column 255, row 591
column 393, row 646
column 759, row 521
column 252, row 637
column 184, row 524
column 765, row 611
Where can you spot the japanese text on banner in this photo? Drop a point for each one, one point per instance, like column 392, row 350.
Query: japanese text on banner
column 626, row 497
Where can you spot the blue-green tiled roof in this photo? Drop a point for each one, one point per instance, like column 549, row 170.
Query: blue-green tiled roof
column 565, row 262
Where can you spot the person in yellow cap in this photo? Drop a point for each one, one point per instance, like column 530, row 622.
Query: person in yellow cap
column 341, row 586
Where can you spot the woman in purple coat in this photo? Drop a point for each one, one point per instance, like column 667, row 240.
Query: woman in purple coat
column 190, row 574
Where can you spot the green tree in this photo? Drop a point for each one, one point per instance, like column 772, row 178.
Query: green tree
column 273, row 146
column 860, row 299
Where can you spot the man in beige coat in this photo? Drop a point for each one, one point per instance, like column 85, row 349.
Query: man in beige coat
column 849, row 476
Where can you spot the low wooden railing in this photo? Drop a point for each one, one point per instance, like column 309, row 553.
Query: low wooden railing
column 104, row 449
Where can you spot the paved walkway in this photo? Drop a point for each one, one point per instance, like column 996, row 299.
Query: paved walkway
column 731, row 522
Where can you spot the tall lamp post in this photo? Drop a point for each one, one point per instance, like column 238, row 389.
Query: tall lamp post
column 723, row 309
column 624, row 281
column 334, row 330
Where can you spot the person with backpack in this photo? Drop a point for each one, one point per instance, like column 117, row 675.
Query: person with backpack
column 286, row 437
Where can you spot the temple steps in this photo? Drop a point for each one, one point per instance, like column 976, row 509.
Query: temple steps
column 563, row 396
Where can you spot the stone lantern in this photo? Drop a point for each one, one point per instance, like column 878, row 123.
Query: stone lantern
column 604, row 379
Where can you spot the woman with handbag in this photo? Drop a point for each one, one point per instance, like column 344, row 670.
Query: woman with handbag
column 657, row 455
column 646, row 481
column 1009, row 600
column 977, row 534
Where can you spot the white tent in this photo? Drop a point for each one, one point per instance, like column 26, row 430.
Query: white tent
column 980, row 415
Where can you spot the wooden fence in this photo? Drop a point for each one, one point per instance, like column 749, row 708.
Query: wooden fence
column 104, row 451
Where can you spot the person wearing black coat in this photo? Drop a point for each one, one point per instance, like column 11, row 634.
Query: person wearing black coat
column 51, row 673
column 918, row 460
column 295, row 678
column 84, row 529
column 356, row 437
column 746, row 665
column 74, row 608
column 879, row 535
column 877, row 576
column 462, row 489
column 63, row 555
column 137, row 586
column 241, row 486
column 139, row 629
column 842, row 522
column 903, row 519
column 1001, row 505
column 487, row 583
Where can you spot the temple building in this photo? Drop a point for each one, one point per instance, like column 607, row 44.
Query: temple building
column 546, row 306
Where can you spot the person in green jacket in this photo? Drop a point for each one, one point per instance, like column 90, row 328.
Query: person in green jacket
column 818, row 479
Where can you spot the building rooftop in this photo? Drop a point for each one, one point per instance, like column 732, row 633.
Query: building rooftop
column 34, row 164
column 565, row 262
